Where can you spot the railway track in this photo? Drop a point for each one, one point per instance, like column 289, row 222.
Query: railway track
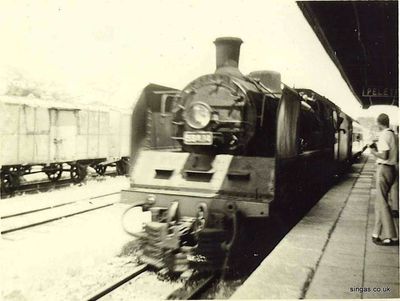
column 138, row 271
column 190, row 290
column 42, row 215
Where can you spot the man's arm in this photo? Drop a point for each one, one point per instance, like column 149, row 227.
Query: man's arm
column 382, row 151
column 384, row 155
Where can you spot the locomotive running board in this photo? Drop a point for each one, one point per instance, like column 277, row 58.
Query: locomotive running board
column 190, row 201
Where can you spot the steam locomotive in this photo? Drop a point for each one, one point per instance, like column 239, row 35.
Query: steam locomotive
column 227, row 147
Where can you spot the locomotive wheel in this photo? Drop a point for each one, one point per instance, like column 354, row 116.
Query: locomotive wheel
column 122, row 167
column 54, row 173
column 78, row 173
column 9, row 182
column 100, row 169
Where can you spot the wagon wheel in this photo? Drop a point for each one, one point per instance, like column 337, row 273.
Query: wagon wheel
column 9, row 182
column 54, row 173
column 78, row 173
column 100, row 169
column 122, row 167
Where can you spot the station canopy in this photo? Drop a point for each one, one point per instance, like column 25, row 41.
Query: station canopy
column 361, row 37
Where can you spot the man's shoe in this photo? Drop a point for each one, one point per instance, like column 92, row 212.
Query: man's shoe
column 387, row 243
column 376, row 240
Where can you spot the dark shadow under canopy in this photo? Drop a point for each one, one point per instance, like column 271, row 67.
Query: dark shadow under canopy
column 361, row 37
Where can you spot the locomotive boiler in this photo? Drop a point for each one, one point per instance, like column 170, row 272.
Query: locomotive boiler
column 226, row 148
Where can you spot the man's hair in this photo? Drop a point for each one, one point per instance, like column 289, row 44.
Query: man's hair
column 383, row 119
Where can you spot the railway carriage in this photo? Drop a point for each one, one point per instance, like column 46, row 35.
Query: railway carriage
column 54, row 137
column 231, row 147
column 359, row 139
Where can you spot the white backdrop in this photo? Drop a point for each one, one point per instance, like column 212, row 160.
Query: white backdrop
column 106, row 51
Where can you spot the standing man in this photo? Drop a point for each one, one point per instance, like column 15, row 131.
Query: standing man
column 386, row 153
column 394, row 192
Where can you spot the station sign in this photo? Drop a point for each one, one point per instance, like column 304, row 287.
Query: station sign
column 380, row 92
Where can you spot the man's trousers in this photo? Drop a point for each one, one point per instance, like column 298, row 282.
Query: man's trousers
column 384, row 225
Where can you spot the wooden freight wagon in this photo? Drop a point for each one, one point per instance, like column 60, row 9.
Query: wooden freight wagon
column 53, row 137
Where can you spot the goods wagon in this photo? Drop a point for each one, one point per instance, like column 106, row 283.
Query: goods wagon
column 53, row 137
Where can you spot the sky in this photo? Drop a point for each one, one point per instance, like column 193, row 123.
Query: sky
column 108, row 51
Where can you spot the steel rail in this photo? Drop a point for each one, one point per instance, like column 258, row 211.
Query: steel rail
column 193, row 290
column 36, row 210
column 138, row 271
column 54, row 219
column 55, row 206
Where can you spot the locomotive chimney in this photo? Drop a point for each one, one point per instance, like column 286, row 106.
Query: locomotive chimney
column 228, row 51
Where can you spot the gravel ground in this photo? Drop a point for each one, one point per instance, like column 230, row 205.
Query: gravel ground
column 68, row 259
column 223, row 289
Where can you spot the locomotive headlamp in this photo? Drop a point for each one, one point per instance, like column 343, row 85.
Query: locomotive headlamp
column 198, row 115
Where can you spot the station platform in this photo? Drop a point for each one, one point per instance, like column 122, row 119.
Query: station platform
column 329, row 253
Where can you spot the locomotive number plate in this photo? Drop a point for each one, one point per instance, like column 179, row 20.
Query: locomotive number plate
column 198, row 138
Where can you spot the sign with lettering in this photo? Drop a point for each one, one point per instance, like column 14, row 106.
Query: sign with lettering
column 380, row 92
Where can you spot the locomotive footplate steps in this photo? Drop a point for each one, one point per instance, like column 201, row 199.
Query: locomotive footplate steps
column 209, row 253
column 177, row 244
column 329, row 253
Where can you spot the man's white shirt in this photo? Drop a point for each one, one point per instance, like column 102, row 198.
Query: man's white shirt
column 387, row 142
